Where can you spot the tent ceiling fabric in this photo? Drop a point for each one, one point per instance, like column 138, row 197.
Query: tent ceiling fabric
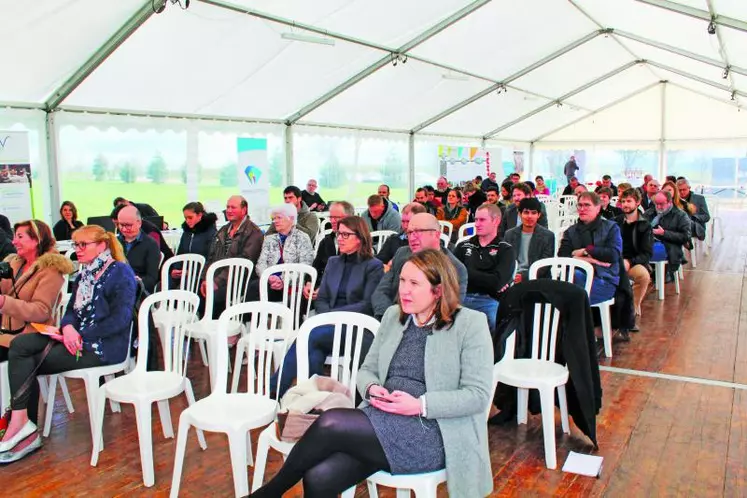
column 211, row 60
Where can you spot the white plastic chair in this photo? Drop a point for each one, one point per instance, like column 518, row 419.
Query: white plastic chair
column 463, row 230
column 294, row 276
column 191, row 266
column 319, row 237
column 446, row 228
column 239, row 271
column 378, row 238
column 564, row 269
column 543, row 198
column 423, row 485
column 344, row 369
column 660, row 278
column 539, row 372
column 143, row 388
column 235, row 414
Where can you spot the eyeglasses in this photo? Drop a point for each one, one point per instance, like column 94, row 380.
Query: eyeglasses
column 420, row 231
column 346, row 235
column 82, row 245
column 126, row 226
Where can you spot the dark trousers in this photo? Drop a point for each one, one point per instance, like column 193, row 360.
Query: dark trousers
column 219, row 303
column 23, row 356
column 338, row 451
column 252, row 293
column 321, row 341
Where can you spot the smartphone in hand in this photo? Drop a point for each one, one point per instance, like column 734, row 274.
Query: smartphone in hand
column 380, row 398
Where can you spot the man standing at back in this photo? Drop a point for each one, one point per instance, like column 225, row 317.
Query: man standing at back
column 306, row 221
column 423, row 232
column 490, row 263
column 570, row 168
column 239, row 238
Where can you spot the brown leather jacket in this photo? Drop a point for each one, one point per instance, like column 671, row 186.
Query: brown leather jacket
column 35, row 294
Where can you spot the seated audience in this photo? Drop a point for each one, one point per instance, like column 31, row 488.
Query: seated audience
column 380, row 215
column 475, row 198
column 676, row 200
column 541, row 188
column 671, row 227
column 514, row 177
column 579, row 189
column 671, row 178
column 647, row 198
column 6, row 246
column 530, row 240
column 328, row 246
column 288, row 244
column 394, row 242
column 305, row 220
column 150, row 230
column 442, row 191
column 239, row 238
column 570, row 189
column 511, row 217
column 607, row 183
column 423, row 232
column 609, row 212
column 140, row 250
column 5, row 226
column 143, row 208
column 643, row 188
column 597, row 241
column 622, row 188
column 347, row 285
column 637, row 245
column 454, row 212
column 422, row 412
column 383, row 191
column 489, row 182
column 506, row 189
column 63, row 229
column 700, row 215
column 198, row 233
column 30, row 294
column 421, row 197
column 311, row 197
column 493, row 196
column 490, row 263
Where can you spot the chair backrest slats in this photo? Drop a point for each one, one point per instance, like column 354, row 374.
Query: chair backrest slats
column 294, row 276
column 239, row 272
column 191, row 266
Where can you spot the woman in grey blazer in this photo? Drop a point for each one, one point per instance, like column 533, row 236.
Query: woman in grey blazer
column 427, row 384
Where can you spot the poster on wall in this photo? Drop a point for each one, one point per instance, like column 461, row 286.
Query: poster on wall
column 463, row 164
column 254, row 178
column 15, row 176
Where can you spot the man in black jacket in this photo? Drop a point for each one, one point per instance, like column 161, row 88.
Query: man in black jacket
column 490, row 263
column 671, row 226
column 570, row 189
column 145, row 210
column 141, row 251
column 608, row 211
column 638, row 245
column 701, row 216
column 511, row 216
column 531, row 241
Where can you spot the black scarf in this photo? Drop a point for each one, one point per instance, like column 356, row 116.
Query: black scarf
column 586, row 231
column 208, row 220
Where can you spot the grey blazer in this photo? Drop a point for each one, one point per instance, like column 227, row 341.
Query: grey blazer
column 541, row 246
column 459, row 386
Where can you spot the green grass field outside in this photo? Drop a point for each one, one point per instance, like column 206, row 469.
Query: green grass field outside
column 94, row 198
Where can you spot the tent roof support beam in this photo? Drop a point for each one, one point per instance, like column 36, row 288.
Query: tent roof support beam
column 722, row 50
column 693, row 77
column 679, row 51
column 98, row 57
column 421, row 38
column 560, row 100
column 597, row 111
column 21, row 106
column 508, row 80
column 704, row 15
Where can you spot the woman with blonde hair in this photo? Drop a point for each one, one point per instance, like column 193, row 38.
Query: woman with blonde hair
column 94, row 331
column 678, row 201
column 426, row 384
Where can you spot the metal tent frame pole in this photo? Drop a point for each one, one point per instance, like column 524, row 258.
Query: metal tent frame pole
column 704, row 15
column 693, row 77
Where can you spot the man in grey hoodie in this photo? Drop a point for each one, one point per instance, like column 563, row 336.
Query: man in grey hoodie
column 380, row 215
column 307, row 221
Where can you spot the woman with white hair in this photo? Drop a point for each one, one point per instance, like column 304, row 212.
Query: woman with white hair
column 287, row 245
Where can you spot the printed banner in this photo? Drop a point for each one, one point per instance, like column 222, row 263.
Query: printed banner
column 254, row 177
column 463, row 164
column 15, row 176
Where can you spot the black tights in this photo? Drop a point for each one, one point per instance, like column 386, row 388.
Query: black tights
column 338, row 451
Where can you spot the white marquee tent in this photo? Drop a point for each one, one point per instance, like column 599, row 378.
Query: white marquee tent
column 539, row 75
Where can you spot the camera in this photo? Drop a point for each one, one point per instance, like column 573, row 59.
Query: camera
column 5, row 270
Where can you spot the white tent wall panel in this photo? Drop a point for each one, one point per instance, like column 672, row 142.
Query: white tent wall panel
column 691, row 116
column 634, row 119
column 387, row 22
column 397, row 97
column 575, row 68
column 505, row 36
column 488, row 112
column 226, row 64
column 613, row 88
column 44, row 43
column 654, row 23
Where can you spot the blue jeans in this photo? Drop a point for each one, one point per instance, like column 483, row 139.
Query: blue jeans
column 601, row 290
column 321, row 341
column 484, row 303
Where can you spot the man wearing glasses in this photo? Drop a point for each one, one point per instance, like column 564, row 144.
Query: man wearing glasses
column 423, row 232
column 142, row 252
column 671, row 227
column 394, row 242
column 652, row 188
column 490, row 263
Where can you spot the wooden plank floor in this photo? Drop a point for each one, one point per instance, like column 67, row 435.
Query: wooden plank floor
column 658, row 437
